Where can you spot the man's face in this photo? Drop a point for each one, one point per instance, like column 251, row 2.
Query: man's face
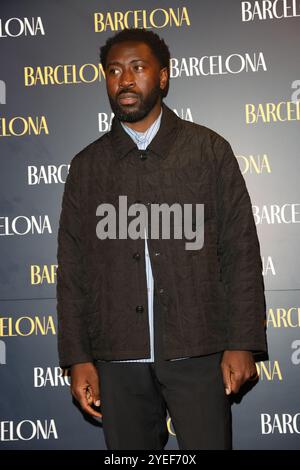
column 134, row 80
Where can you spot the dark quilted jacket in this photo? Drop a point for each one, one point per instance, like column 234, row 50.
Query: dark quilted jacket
column 211, row 299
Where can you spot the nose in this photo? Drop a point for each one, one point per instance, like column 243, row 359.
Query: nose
column 127, row 79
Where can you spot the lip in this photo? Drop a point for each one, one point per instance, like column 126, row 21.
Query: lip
column 127, row 98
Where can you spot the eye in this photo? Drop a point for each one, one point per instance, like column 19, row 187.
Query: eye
column 113, row 71
column 139, row 68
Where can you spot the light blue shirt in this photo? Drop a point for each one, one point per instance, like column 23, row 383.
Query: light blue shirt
column 142, row 140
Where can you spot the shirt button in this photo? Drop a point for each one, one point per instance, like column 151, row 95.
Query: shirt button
column 139, row 309
column 136, row 256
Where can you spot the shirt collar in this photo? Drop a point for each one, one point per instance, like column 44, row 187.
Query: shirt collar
column 122, row 143
column 144, row 138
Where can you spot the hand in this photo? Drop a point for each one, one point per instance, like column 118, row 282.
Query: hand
column 237, row 367
column 85, row 387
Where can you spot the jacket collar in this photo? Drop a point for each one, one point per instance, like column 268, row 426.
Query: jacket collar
column 123, row 144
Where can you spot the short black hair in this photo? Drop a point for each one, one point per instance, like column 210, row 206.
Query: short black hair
column 157, row 45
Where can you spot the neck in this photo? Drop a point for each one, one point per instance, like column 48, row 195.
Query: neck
column 147, row 121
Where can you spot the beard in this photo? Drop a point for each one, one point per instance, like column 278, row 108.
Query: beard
column 138, row 111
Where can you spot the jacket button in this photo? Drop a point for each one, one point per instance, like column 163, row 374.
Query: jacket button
column 161, row 291
column 139, row 309
column 157, row 253
column 136, row 256
column 143, row 155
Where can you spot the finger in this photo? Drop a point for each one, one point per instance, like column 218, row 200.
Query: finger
column 236, row 382
column 89, row 410
column 81, row 397
column 89, row 397
column 226, row 379
column 95, row 391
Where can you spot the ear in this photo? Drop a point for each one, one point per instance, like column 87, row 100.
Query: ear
column 163, row 78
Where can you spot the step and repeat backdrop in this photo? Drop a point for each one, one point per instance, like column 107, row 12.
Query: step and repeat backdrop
column 234, row 68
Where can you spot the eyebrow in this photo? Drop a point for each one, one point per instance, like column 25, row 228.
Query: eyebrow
column 115, row 62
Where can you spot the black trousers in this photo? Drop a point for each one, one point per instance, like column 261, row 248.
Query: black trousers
column 135, row 398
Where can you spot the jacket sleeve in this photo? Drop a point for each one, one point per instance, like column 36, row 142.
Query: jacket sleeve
column 239, row 255
column 73, row 341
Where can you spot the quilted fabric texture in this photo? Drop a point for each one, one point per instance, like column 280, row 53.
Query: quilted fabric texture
column 212, row 299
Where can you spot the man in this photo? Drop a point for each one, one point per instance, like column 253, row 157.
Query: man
column 145, row 324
